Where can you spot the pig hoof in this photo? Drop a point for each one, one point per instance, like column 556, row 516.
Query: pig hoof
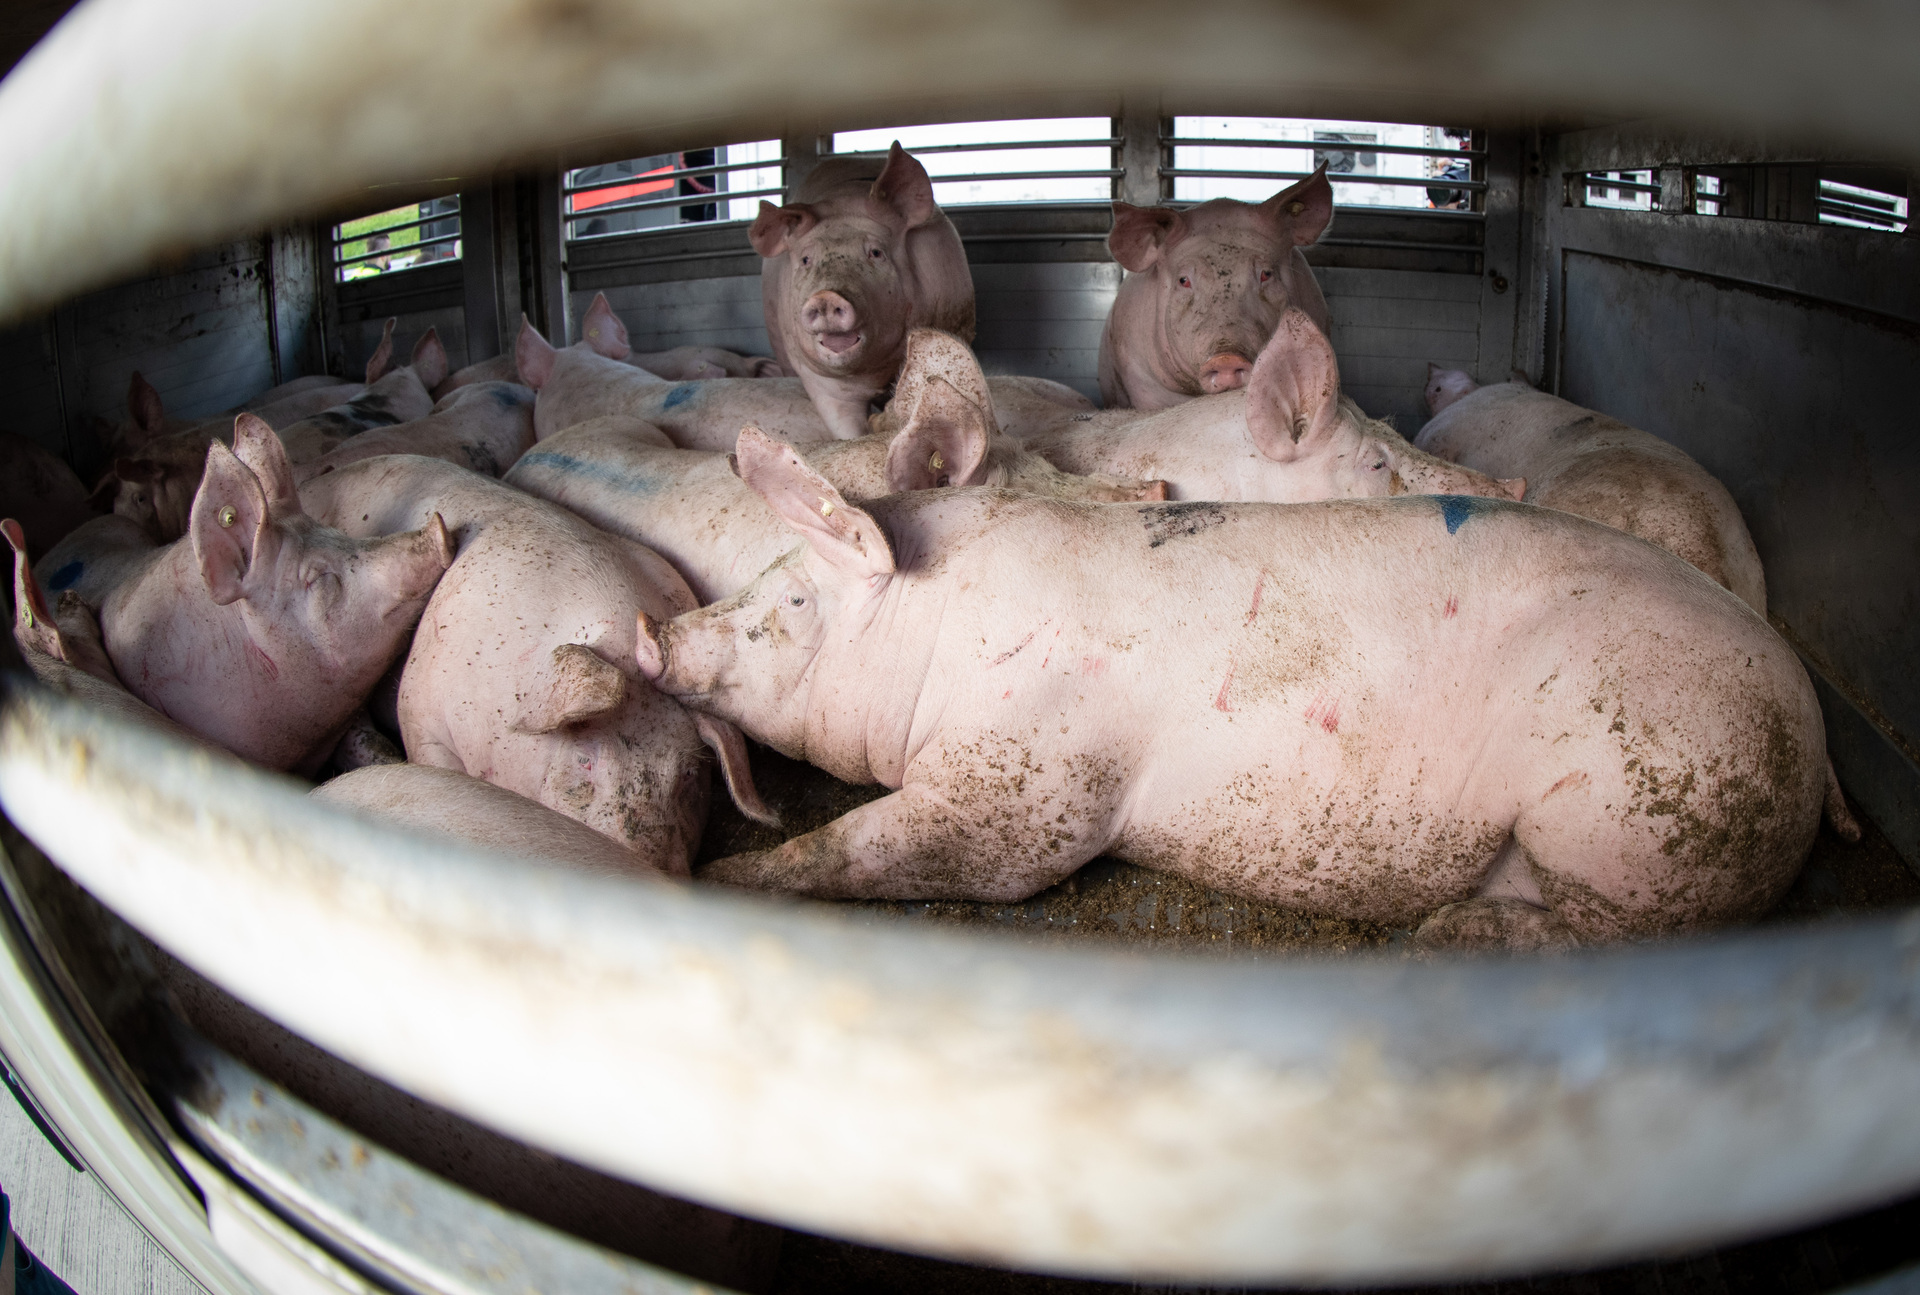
column 1479, row 925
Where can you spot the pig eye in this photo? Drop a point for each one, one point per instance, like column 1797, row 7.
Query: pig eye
column 795, row 600
column 876, row 254
column 1186, row 281
column 1266, row 276
column 806, row 260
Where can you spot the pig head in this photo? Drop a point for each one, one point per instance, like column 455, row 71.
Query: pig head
column 1205, row 288
column 262, row 629
column 863, row 255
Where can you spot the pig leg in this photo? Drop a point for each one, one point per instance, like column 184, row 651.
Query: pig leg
column 912, row 845
column 1506, row 912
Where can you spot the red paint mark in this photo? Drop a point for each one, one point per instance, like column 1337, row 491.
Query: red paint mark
column 1049, row 656
column 264, row 661
column 1254, row 610
column 1220, row 702
column 1324, row 711
column 1008, row 693
column 1572, row 782
column 1453, row 605
column 1093, row 665
column 1017, row 648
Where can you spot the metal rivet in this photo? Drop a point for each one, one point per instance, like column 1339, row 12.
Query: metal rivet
column 936, row 462
column 229, row 515
column 826, row 507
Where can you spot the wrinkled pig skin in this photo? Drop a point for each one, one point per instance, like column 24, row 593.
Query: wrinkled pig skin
column 40, row 491
column 264, row 630
column 1288, row 437
column 484, row 426
column 1378, row 709
column 862, row 255
column 450, row 804
column 63, row 649
column 95, row 559
column 625, row 477
column 1204, row 290
column 1582, row 462
column 522, row 672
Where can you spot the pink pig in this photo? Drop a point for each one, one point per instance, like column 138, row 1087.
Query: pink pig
column 522, row 671
column 1205, row 288
column 1501, row 723
column 862, row 255
column 263, row 629
column 1288, row 437
column 484, row 426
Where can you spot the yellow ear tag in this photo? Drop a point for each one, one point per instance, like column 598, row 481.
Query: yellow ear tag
column 936, row 462
column 28, row 613
column 1295, row 207
column 228, row 516
column 826, row 507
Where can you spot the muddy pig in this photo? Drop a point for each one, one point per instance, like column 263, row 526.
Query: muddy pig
column 1288, row 437
column 394, row 394
column 1499, row 723
column 862, row 255
column 1205, row 288
column 624, row 477
column 95, row 558
column 484, row 426
column 522, row 671
column 579, row 382
column 264, row 630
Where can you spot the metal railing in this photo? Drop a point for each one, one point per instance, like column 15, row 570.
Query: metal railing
column 675, row 185
column 437, row 226
column 1472, row 185
column 1109, row 143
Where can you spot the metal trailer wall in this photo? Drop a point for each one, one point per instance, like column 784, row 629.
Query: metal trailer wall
column 220, row 326
column 1782, row 356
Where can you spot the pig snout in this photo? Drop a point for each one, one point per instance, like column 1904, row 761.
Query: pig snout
column 832, row 321
column 1225, row 372
column 1442, row 478
column 649, row 652
column 1154, row 490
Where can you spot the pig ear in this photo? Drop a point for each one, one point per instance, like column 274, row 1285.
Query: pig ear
column 604, row 331
column 931, row 353
column 533, row 355
column 807, row 502
column 775, row 228
column 227, row 524
column 429, row 360
column 905, row 186
column 1303, row 211
column 944, row 442
column 382, row 358
column 261, row 449
column 33, row 624
column 724, row 740
column 144, row 407
column 1140, row 234
column 581, row 685
column 1293, row 398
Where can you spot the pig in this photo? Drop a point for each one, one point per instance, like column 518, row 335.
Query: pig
column 578, row 382
column 39, row 490
column 680, row 364
column 1289, row 436
column 1586, row 463
column 394, row 394
column 95, row 558
column 625, row 477
column 308, row 386
column 156, row 486
column 1205, row 288
column 1499, row 724
column 862, row 255
column 484, row 426
column 63, row 649
column 522, row 671
column 262, row 629
column 447, row 803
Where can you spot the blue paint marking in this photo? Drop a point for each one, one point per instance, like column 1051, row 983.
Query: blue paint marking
column 605, row 474
column 680, row 395
column 66, row 577
column 1455, row 509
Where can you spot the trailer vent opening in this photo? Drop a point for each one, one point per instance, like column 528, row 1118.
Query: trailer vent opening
column 1861, row 197
column 699, row 186
column 1371, row 163
column 400, row 238
column 1048, row 159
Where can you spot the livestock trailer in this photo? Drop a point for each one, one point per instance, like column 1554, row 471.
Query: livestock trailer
column 305, row 1052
